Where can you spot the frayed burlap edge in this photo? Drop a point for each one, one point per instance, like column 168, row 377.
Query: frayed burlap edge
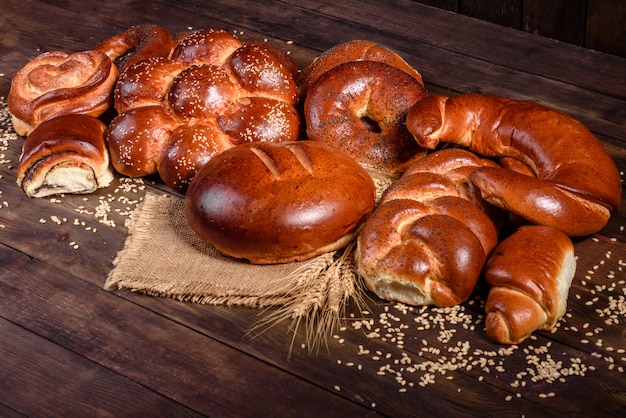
column 163, row 257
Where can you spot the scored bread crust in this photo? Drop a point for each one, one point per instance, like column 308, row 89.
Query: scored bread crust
column 279, row 202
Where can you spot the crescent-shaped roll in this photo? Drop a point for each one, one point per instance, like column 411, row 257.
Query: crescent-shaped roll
column 66, row 154
column 56, row 83
column 529, row 274
column 575, row 184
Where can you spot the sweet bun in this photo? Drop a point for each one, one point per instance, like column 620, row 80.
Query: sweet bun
column 66, row 154
column 359, row 107
column 56, row 83
column 213, row 92
column 279, row 202
column 355, row 50
column 428, row 239
column 529, row 274
column 574, row 184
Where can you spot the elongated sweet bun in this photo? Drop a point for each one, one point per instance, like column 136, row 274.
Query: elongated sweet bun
column 529, row 274
column 273, row 202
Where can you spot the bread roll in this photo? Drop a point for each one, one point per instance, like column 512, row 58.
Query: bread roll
column 66, row 154
column 359, row 107
column 529, row 274
column 427, row 241
column 56, row 83
column 279, row 202
column 355, row 50
column 212, row 93
column 575, row 185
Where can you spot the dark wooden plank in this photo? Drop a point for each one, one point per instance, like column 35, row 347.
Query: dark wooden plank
column 40, row 378
column 605, row 26
column 452, row 5
column 502, row 12
column 564, row 20
column 169, row 358
column 471, row 56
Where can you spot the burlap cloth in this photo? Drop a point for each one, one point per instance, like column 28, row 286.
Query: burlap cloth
column 163, row 257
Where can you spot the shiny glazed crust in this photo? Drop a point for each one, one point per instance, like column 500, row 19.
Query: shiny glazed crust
column 574, row 184
column 66, row 154
column 427, row 241
column 212, row 93
column 355, row 50
column 136, row 44
column 279, row 202
column 529, row 274
column 56, row 83
column 359, row 107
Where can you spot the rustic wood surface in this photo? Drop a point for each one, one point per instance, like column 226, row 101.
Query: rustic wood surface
column 70, row 348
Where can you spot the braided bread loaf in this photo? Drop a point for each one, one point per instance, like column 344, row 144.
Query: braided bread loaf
column 212, row 93
column 427, row 241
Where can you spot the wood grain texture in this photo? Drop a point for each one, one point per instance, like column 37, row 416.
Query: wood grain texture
column 562, row 20
column 70, row 348
column 506, row 13
column 605, row 28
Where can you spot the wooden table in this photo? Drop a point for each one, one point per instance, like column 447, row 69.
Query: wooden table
column 70, row 348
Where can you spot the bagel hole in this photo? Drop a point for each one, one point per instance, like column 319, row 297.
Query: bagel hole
column 371, row 125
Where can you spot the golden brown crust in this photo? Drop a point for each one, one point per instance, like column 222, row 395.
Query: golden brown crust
column 136, row 44
column 291, row 202
column 56, row 83
column 427, row 241
column 145, row 83
column 368, row 123
column 577, row 184
column 137, row 139
column 356, row 50
column 66, row 154
column 529, row 274
column 213, row 92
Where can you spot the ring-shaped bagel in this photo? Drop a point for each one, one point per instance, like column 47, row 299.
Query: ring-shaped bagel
column 359, row 107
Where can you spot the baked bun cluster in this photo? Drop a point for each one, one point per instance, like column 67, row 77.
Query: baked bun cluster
column 57, row 83
column 356, row 97
column 279, row 202
column 213, row 92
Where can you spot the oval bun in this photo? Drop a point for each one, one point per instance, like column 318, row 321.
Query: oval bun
column 273, row 203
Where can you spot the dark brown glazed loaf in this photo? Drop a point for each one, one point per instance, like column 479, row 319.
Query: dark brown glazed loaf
column 279, row 202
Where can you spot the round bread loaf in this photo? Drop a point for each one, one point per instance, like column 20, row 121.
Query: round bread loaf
column 271, row 202
column 359, row 107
